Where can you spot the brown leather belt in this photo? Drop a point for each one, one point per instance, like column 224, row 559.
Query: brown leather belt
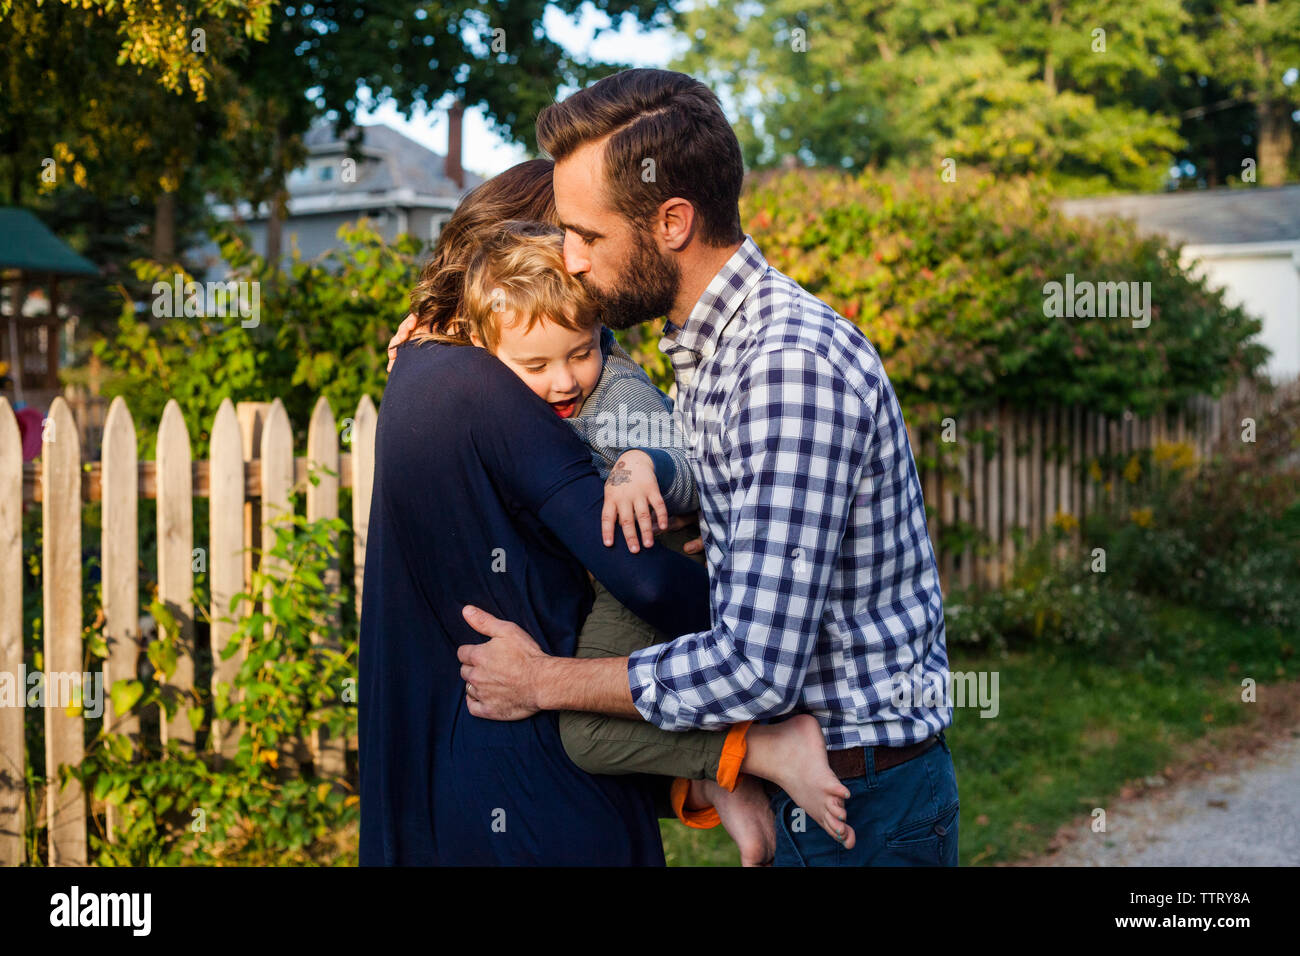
column 850, row 763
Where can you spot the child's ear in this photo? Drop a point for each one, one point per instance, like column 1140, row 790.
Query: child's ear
column 473, row 337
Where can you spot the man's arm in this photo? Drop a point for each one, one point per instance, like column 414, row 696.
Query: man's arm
column 510, row 677
column 797, row 443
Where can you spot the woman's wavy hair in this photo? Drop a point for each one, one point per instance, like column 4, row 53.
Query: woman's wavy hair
column 518, row 268
column 523, row 191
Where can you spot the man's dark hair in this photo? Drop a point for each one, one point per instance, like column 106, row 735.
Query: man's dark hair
column 669, row 118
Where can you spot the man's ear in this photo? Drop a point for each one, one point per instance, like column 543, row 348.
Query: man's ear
column 676, row 223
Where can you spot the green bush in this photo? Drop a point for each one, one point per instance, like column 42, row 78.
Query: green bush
column 1221, row 535
column 176, row 805
column 946, row 280
column 323, row 329
column 1061, row 603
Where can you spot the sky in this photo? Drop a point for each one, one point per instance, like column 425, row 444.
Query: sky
column 486, row 153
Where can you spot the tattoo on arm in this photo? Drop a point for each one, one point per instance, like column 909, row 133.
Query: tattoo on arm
column 621, row 475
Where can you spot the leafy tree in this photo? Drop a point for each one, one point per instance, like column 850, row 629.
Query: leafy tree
column 321, row 330
column 949, row 282
column 1252, row 46
column 1093, row 96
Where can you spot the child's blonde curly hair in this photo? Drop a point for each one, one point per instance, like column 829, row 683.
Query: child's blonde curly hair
column 519, row 269
column 522, row 192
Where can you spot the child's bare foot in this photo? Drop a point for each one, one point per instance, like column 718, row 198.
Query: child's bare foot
column 746, row 816
column 792, row 754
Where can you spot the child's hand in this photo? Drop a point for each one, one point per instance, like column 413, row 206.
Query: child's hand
column 631, row 491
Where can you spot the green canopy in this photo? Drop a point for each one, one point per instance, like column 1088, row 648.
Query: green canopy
column 26, row 244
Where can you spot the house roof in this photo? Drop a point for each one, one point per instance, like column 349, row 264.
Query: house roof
column 399, row 163
column 26, row 243
column 1206, row 216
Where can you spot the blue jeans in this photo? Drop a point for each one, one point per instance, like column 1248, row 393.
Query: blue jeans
column 905, row 816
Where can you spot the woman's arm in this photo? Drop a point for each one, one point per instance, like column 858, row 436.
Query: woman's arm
column 660, row 586
column 536, row 459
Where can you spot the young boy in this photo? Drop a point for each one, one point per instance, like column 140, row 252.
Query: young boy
column 521, row 305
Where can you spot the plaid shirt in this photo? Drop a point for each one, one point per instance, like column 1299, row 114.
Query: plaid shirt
column 825, row 594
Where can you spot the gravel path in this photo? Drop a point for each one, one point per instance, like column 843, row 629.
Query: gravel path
column 1245, row 816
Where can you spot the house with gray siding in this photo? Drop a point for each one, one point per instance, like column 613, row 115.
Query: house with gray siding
column 398, row 184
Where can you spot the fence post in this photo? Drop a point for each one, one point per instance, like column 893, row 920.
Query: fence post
column 1050, row 469
column 323, row 502
column 121, row 575
column 994, row 460
column 61, row 580
column 1064, row 468
column 978, row 500
column 175, row 567
column 13, row 817
column 226, row 560
column 1007, row 452
column 252, row 415
column 363, row 482
column 930, row 492
column 962, row 497
column 277, row 482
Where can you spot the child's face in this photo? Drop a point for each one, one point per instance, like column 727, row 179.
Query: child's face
column 560, row 365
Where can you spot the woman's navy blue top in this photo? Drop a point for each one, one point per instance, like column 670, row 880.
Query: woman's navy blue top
column 483, row 495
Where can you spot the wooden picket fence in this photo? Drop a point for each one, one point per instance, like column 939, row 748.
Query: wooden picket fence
column 248, row 478
column 1001, row 476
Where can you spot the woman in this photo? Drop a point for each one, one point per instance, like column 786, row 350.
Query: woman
column 484, row 496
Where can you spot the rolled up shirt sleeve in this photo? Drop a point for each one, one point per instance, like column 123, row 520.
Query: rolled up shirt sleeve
column 795, row 446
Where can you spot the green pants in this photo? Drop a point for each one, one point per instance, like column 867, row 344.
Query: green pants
column 618, row 745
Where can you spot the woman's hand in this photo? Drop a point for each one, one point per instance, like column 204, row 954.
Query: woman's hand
column 401, row 335
column 631, row 491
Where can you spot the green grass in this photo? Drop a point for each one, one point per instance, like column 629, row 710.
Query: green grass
column 1073, row 728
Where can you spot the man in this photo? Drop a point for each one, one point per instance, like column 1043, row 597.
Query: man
column 825, row 596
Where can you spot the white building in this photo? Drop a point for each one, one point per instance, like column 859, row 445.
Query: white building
column 1244, row 241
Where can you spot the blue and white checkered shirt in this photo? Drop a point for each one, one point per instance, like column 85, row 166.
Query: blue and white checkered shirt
column 825, row 593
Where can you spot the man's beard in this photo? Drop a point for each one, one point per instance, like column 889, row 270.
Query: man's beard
column 647, row 290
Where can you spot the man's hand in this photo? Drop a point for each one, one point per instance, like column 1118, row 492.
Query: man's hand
column 498, row 675
column 401, row 335
column 677, row 522
column 631, row 492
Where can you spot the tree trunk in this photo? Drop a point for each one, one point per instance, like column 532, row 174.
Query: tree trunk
column 164, row 227
column 1049, row 64
column 1274, row 121
column 278, row 204
column 274, row 229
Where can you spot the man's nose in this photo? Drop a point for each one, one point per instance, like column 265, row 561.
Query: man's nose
column 574, row 258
